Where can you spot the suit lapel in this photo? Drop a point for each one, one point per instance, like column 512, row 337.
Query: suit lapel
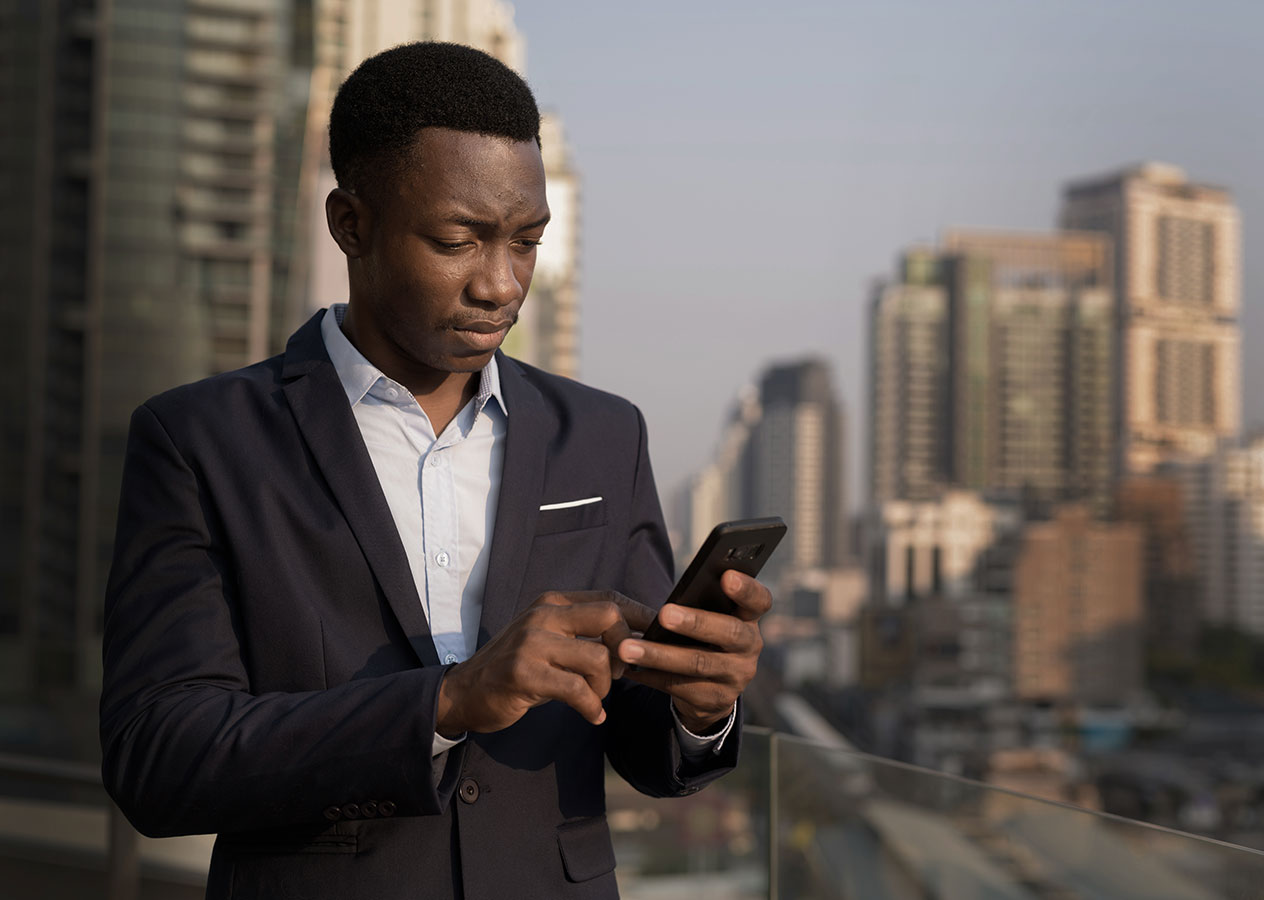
column 530, row 422
column 319, row 405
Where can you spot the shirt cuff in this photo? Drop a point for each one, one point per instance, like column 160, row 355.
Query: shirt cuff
column 694, row 747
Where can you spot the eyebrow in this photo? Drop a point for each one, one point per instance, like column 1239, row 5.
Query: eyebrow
column 469, row 222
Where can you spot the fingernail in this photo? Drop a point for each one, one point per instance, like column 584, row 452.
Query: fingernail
column 630, row 652
column 601, row 718
column 669, row 615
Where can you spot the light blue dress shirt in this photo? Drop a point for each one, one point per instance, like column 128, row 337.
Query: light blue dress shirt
column 442, row 491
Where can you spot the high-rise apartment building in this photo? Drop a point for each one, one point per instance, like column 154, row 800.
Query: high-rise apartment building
column 780, row 454
column 1030, row 363
column 1078, row 610
column 990, row 369
column 1178, row 279
column 547, row 333
column 910, row 456
column 138, row 170
column 349, row 31
column 796, row 465
column 1224, row 499
column 717, row 493
column 158, row 163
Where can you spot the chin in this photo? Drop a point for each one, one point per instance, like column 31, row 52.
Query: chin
column 466, row 362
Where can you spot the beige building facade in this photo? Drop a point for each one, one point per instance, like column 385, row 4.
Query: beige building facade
column 1078, row 612
column 1178, row 275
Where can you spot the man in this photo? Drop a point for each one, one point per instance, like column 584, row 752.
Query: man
column 368, row 617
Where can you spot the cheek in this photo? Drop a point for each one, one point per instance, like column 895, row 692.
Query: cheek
column 523, row 270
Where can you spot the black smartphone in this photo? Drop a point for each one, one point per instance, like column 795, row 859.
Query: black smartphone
column 744, row 545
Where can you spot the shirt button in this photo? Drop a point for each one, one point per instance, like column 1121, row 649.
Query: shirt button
column 469, row 790
column 436, row 459
column 391, row 393
column 442, row 558
column 449, row 659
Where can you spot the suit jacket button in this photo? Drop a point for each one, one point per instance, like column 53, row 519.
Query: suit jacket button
column 386, row 808
column 351, row 810
column 333, row 813
column 469, row 790
column 368, row 809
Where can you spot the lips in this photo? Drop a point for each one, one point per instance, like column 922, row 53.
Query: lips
column 483, row 335
column 485, row 326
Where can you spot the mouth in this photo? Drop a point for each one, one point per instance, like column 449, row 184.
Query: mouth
column 483, row 335
column 485, row 326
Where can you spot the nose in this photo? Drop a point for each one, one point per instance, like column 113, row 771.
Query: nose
column 502, row 278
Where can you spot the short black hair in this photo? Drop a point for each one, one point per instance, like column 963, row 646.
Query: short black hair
column 390, row 97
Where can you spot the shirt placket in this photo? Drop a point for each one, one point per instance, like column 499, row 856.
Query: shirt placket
column 440, row 533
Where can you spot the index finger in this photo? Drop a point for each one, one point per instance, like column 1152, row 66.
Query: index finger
column 750, row 596
column 637, row 615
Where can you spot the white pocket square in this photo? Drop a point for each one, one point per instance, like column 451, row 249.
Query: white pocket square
column 569, row 503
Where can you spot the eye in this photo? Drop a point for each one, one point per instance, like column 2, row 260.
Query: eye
column 526, row 245
column 450, row 246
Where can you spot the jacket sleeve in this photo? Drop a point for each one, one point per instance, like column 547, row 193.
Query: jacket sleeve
column 641, row 742
column 187, row 747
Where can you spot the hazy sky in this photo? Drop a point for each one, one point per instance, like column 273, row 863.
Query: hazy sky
column 749, row 168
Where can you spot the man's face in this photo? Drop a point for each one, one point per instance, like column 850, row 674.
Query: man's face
column 450, row 254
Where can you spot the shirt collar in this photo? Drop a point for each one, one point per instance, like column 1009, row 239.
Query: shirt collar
column 358, row 375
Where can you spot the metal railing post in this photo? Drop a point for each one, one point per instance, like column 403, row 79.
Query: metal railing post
column 774, row 819
column 122, row 858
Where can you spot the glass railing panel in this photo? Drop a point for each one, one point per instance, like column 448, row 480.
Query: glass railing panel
column 713, row 844
column 861, row 828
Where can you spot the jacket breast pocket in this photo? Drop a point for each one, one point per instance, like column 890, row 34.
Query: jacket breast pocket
column 570, row 518
column 586, row 848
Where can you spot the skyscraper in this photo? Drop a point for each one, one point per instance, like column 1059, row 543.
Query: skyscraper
column 717, row 493
column 990, row 369
column 1178, row 275
column 910, row 456
column 795, row 467
column 138, row 171
column 1224, row 500
column 781, row 454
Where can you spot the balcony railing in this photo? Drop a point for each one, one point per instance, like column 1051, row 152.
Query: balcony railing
column 798, row 819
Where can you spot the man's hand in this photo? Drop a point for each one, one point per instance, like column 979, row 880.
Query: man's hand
column 704, row 684
column 546, row 653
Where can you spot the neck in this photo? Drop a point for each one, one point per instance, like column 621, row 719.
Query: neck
column 443, row 402
column 439, row 393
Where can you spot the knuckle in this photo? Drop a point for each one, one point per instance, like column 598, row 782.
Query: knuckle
column 522, row 670
column 598, row 657
column 579, row 693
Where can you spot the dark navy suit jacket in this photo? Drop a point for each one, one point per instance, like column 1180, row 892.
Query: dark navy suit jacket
column 269, row 671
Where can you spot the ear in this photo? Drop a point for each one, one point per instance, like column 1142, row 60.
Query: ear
column 350, row 221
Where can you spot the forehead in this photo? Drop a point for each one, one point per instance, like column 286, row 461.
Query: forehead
column 476, row 173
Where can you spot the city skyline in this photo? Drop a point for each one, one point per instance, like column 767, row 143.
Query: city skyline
column 837, row 137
